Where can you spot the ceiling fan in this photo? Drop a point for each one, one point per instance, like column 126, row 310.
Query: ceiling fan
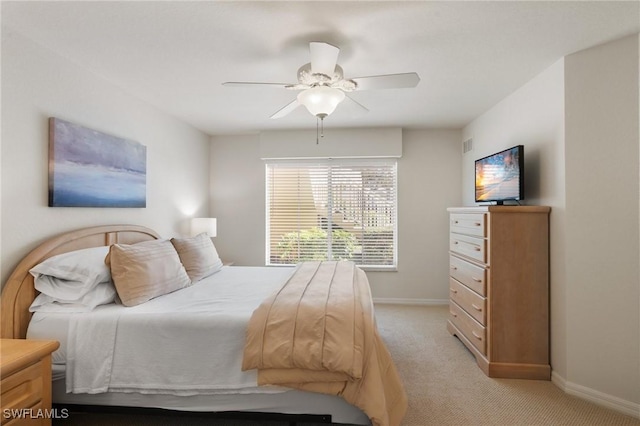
column 323, row 86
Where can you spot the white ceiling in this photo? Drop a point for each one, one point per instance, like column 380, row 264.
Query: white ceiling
column 175, row 55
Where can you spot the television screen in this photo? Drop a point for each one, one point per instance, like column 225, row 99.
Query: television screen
column 500, row 176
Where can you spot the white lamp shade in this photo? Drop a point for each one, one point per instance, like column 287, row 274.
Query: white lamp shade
column 321, row 100
column 207, row 225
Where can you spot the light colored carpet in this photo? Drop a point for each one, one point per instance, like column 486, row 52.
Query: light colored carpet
column 444, row 385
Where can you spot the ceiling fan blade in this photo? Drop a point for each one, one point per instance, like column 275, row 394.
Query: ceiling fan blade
column 253, row 84
column 323, row 58
column 388, row 81
column 360, row 107
column 286, row 109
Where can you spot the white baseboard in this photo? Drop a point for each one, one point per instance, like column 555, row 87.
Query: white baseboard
column 401, row 301
column 613, row 402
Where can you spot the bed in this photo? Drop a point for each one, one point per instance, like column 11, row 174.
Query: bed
column 221, row 386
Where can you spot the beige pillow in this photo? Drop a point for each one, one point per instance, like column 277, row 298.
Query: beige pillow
column 198, row 255
column 146, row 270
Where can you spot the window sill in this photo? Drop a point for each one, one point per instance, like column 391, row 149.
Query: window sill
column 363, row 267
column 379, row 268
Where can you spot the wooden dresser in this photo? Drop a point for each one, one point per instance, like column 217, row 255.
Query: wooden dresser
column 25, row 370
column 499, row 288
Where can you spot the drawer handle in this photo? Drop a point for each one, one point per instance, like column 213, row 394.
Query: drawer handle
column 477, row 308
column 454, row 268
column 453, row 314
column 477, row 248
column 455, row 221
column 454, row 291
column 475, row 335
column 478, row 224
column 455, row 242
column 478, row 280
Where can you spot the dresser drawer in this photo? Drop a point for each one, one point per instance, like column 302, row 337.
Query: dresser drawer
column 22, row 388
column 473, row 247
column 473, row 276
column 469, row 224
column 469, row 300
column 473, row 331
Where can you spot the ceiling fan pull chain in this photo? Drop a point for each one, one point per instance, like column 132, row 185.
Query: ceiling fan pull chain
column 317, row 138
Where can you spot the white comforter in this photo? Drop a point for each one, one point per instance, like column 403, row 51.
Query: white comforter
column 184, row 343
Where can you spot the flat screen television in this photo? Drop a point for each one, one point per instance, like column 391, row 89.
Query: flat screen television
column 500, row 176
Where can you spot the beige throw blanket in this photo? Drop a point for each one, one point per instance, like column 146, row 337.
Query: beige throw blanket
column 318, row 333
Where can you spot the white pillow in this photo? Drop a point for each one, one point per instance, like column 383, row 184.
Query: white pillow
column 70, row 279
column 79, row 270
column 101, row 294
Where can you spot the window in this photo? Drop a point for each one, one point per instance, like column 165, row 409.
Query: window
column 332, row 210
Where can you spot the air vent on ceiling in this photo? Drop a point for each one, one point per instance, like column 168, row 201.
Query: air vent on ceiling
column 467, row 146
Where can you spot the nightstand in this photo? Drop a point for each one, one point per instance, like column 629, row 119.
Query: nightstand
column 25, row 370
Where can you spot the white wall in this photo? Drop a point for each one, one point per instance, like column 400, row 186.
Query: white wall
column 37, row 84
column 428, row 182
column 336, row 143
column 602, row 170
column 237, row 199
column 532, row 116
column 579, row 123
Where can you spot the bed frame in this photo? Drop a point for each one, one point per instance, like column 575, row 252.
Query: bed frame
column 19, row 293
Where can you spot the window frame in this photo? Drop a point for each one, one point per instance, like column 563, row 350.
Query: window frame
column 333, row 162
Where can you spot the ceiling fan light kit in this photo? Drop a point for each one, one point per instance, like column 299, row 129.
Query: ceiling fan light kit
column 321, row 101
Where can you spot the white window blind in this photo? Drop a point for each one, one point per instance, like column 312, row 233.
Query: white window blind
column 332, row 210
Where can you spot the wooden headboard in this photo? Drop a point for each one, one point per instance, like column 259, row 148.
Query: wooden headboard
column 19, row 292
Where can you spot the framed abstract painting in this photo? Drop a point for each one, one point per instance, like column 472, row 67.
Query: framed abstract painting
column 88, row 168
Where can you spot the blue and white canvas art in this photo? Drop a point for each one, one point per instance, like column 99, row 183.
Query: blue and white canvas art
column 88, row 168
